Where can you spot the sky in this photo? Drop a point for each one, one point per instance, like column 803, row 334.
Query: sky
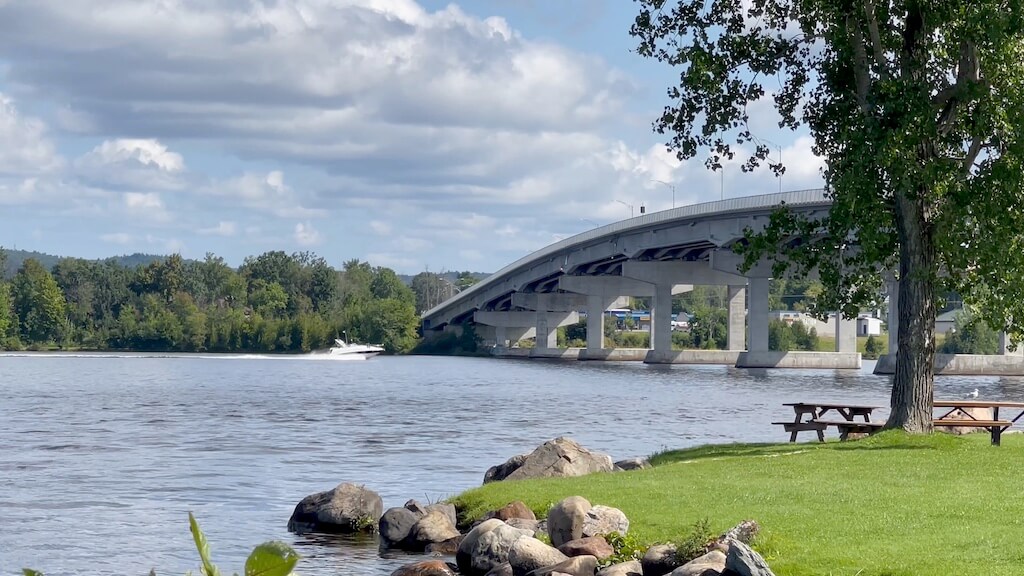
column 413, row 135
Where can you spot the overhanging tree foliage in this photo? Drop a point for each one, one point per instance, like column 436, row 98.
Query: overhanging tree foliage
column 916, row 108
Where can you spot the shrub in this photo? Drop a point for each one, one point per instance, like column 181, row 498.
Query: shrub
column 695, row 544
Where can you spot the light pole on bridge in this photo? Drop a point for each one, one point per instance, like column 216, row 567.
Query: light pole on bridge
column 627, row 204
column 670, row 185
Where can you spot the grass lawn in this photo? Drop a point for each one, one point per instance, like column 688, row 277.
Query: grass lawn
column 891, row 504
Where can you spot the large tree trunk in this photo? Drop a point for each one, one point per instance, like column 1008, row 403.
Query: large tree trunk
column 913, row 385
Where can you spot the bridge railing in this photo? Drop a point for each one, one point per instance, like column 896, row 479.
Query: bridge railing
column 717, row 207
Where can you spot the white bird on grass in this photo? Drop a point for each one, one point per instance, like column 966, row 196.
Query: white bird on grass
column 973, row 394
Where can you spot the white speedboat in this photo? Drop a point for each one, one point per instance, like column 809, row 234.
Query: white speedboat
column 347, row 350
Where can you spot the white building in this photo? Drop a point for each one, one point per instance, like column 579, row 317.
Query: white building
column 869, row 326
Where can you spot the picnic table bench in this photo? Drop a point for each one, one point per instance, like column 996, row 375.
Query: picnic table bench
column 965, row 419
column 818, row 409
column 849, row 425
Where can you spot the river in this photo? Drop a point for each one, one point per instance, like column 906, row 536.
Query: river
column 103, row 456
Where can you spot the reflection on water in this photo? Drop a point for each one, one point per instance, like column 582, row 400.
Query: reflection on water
column 102, row 456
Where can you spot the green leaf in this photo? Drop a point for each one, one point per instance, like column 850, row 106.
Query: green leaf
column 204, row 548
column 271, row 559
column 31, row 572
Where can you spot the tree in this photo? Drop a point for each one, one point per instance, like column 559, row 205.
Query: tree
column 6, row 312
column 970, row 336
column 916, row 107
column 38, row 303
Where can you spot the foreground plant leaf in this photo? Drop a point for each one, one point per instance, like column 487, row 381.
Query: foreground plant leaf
column 204, row 548
column 271, row 559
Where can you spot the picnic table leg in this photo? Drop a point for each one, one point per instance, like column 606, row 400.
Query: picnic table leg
column 792, row 436
column 996, row 432
column 821, row 435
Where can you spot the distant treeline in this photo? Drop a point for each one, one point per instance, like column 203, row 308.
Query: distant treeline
column 274, row 302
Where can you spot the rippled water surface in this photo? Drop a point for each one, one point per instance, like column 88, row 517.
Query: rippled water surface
column 102, row 458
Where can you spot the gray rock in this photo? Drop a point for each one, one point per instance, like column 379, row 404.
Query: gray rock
column 565, row 520
column 561, row 457
column 426, row 568
column 346, row 508
column 742, row 560
column 744, row 532
column 501, row 471
column 446, row 548
column 415, row 507
column 601, row 520
column 631, row 464
column 595, row 546
column 528, row 554
column 491, row 548
column 714, row 561
column 395, row 526
column 501, row 570
column 463, row 556
column 630, row 568
column 432, row 528
column 578, row 566
column 531, row 525
column 659, row 560
column 447, row 509
column 515, row 509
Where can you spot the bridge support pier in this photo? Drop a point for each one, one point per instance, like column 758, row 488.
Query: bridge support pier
column 737, row 298
column 846, row 334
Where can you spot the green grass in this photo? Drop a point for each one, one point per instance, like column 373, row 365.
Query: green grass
column 891, row 504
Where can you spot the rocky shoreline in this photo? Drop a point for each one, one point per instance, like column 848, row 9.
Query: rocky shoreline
column 575, row 538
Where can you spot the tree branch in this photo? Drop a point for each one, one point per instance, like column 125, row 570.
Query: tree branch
column 972, row 154
column 860, row 65
column 876, row 39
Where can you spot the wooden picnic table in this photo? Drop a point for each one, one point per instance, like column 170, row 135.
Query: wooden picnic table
column 818, row 409
column 965, row 419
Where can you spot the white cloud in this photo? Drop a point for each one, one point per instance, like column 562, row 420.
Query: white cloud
column 117, row 238
column 380, row 228
column 131, row 164
column 265, row 193
column 223, row 228
column 25, row 147
column 306, row 235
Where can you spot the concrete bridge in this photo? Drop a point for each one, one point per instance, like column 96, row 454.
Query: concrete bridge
column 654, row 255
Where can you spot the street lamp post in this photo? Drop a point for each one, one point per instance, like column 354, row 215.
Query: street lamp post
column 670, row 185
column 627, row 204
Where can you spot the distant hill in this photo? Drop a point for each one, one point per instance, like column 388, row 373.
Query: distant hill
column 15, row 258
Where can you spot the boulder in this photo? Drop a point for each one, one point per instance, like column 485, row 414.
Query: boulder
column 601, row 520
column 490, row 549
column 511, row 510
column 447, row 548
column 744, row 532
column 561, row 457
column 415, row 507
column 713, row 561
column 659, row 560
column 631, row 464
column 435, row 527
column 630, row 568
column 534, row 526
column 426, row 568
column 345, row 509
column 395, row 526
column 447, row 509
column 595, row 546
column 578, row 566
column 967, row 414
column 501, row 570
column 565, row 520
column 501, row 471
column 463, row 556
column 528, row 554
column 743, row 561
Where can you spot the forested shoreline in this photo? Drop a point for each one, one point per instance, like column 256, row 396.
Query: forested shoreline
column 274, row 302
